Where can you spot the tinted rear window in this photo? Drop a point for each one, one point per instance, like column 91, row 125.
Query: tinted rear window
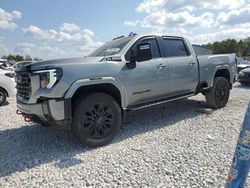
column 174, row 48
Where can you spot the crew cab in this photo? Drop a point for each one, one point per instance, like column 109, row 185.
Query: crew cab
column 92, row 94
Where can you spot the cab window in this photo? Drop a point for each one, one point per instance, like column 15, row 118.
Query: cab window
column 154, row 46
column 174, row 47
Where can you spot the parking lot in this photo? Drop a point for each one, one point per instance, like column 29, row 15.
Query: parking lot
column 179, row 144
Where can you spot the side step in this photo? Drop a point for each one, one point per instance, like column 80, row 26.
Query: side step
column 146, row 105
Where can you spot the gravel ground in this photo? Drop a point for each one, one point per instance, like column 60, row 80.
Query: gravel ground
column 178, row 144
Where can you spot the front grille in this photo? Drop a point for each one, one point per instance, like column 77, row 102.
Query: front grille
column 23, row 84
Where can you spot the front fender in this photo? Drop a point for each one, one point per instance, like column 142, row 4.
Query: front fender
column 102, row 80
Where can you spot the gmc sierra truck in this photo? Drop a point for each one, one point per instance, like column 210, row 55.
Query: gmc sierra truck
column 92, row 94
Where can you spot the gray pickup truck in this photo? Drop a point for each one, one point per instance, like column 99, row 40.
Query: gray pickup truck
column 92, row 94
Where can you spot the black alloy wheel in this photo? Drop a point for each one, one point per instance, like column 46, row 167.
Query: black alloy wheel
column 96, row 120
column 222, row 92
column 218, row 95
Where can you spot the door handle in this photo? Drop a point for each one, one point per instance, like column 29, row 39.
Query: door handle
column 191, row 63
column 161, row 66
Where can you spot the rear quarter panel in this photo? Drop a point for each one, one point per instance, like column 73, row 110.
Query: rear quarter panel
column 210, row 64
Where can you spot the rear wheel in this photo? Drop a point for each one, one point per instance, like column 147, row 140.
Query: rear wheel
column 218, row 95
column 2, row 96
column 96, row 120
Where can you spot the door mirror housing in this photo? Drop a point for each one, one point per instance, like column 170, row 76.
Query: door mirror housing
column 144, row 52
column 132, row 63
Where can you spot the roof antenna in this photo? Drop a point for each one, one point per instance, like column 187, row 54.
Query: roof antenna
column 132, row 34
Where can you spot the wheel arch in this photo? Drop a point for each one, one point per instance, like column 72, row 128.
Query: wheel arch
column 107, row 88
column 222, row 72
column 106, row 85
column 5, row 91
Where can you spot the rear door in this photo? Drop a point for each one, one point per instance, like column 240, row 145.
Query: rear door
column 183, row 67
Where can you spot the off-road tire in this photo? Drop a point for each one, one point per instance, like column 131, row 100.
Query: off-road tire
column 96, row 120
column 218, row 95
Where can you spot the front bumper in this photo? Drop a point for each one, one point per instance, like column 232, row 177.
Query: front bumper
column 50, row 111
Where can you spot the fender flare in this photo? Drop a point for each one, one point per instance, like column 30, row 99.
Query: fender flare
column 101, row 80
column 221, row 67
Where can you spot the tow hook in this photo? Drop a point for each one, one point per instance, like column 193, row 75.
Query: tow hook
column 18, row 112
column 27, row 119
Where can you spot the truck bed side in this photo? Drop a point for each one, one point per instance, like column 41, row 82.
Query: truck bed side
column 211, row 64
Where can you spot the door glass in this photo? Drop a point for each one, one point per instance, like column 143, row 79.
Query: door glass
column 154, row 46
column 174, row 47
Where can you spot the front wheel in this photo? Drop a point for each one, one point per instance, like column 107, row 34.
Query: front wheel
column 97, row 119
column 218, row 95
column 2, row 96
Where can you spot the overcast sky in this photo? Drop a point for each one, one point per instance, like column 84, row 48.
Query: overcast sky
column 63, row 28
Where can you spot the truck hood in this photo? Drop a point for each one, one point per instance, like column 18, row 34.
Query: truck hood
column 74, row 69
column 41, row 65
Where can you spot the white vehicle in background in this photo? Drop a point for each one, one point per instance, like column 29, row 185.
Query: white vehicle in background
column 7, row 85
column 5, row 65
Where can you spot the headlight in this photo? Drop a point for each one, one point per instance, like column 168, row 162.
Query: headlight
column 48, row 78
column 10, row 74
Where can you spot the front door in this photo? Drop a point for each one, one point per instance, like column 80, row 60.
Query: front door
column 149, row 79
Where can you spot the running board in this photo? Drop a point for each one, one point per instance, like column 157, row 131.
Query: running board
column 138, row 107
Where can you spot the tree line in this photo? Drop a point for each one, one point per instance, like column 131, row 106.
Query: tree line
column 241, row 47
column 18, row 58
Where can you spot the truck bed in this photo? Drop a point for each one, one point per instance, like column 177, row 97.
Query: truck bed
column 212, row 63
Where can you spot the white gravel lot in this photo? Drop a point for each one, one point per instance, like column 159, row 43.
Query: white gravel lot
column 173, row 145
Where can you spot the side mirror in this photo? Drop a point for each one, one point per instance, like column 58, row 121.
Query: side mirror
column 132, row 63
column 144, row 52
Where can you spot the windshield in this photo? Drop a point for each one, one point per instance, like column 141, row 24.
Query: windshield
column 112, row 47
